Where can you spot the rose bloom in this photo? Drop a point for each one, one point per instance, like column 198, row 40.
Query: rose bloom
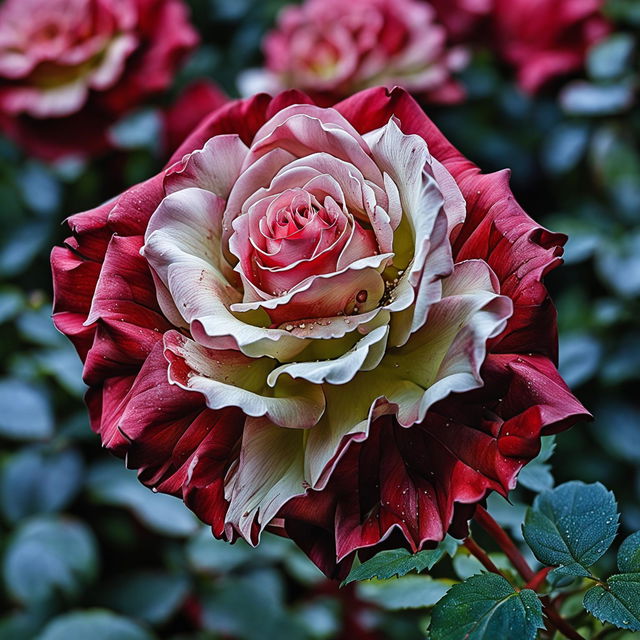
column 333, row 48
column 324, row 322
column 543, row 39
column 70, row 68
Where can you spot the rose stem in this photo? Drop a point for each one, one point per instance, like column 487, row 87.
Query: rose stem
column 477, row 551
column 516, row 558
column 512, row 552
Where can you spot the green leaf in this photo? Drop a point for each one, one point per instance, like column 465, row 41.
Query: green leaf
column 571, row 526
column 580, row 98
column 146, row 595
column 486, row 607
column 629, row 554
column 398, row 562
column 93, row 624
column 110, row 483
column 250, row 608
column 34, row 482
column 25, row 412
column 611, row 57
column 618, row 602
column 50, row 555
column 537, row 474
column 408, row 592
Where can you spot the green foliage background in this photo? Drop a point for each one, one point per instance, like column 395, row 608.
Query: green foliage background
column 87, row 552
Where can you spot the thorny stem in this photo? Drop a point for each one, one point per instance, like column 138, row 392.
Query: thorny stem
column 516, row 558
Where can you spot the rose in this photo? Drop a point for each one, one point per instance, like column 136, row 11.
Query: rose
column 547, row 38
column 69, row 68
column 322, row 322
column 332, row 49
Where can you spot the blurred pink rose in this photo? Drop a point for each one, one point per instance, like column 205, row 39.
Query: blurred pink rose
column 69, row 68
column 332, row 49
column 546, row 38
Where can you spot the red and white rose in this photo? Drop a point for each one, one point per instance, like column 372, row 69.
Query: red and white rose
column 324, row 322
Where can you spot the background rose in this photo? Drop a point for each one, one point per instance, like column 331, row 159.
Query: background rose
column 463, row 18
column 332, row 49
column 255, row 433
column 196, row 101
column 547, row 38
column 76, row 65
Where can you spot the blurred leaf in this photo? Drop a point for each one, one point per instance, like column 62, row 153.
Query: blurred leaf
column 23, row 625
column 398, row 562
column 508, row 513
column 250, row 608
column 486, row 607
column 610, row 58
column 11, row 303
column 408, row 592
column 617, row 427
column 47, row 556
column 111, row 483
column 624, row 11
column 537, row 474
column 580, row 98
column 93, row 624
column 621, row 363
column 22, row 246
column 37, row 327
column 40, row 188
column 466, row 565
column 65, row 366
column 205, row 553
column 140, row 129
column 34, row 481
column 571, row 526
column 146, row 595
column 619, row 265
column 321, row 618
column 25, row 413
column 580, row 355
column 618, row 603
column 629, row 554
column 564, row 147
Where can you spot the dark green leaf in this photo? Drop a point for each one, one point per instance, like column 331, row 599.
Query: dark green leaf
column 36, row 482
column 629, row 554
column 618, row 603
column 93, row 625
column 25, row 413
column 150, row 596
column 486, row 607
column 47, row 556
column 111, row 483
column 571, row 526
column 250, row 608
column 610, row 58
column 11, row 302
column 398, row 562
column 581, row 98
column 408, row 592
